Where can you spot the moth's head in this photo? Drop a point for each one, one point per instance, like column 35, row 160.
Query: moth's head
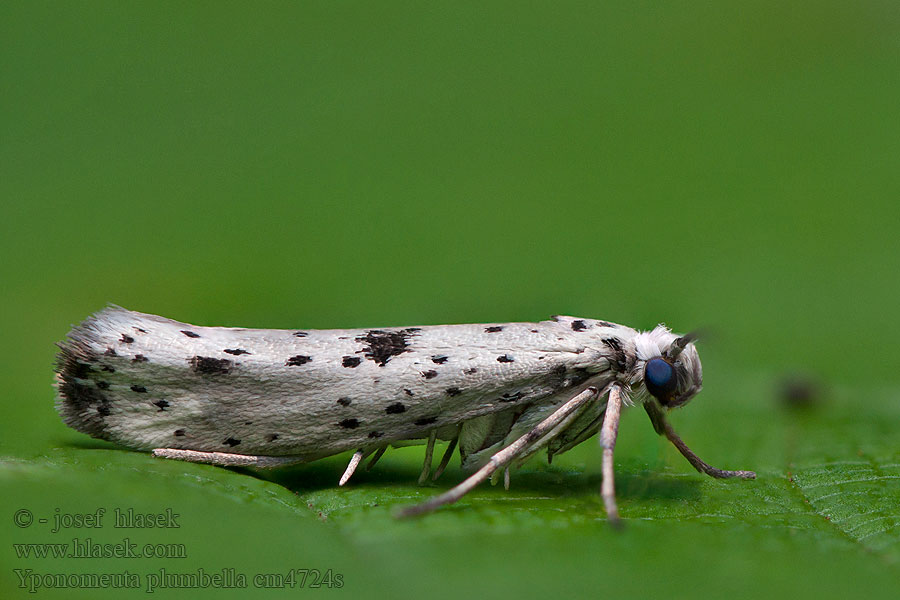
column 668, row 366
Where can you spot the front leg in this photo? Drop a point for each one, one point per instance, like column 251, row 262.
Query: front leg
column 662, row 427
column 608, row 434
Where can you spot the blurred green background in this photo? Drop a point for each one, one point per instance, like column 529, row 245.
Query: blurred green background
column 345, row 164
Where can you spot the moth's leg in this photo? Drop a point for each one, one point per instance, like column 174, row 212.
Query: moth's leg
column 663, row 427
column 608, row 434
column 549, row 436
column 538, row 445
column 378, row 454
column 445, row 460
column 351, row 467
column 225, row 459
column 429, row 455
column 503, row 457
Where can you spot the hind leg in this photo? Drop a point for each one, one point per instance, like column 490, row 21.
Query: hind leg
column 225, row 459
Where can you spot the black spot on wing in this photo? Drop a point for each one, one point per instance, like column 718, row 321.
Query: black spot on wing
column 408, row 392
column 78, row 395
column 382, row 345
column 83, row 405
column 178, row 433
column 511, row 397
column 493, row 329
column 606, row 324
column 190, row 334
column 439, row 359
column 207, row 365
column 470, row 371
column 108, row 369
column 453, row 391
column 110, row 352
column 429, row 374
column 126, row 339
column 80, row 370
column 271, row 437
column 506, row 358
column 425, row 421
column 161, row 405
column 579, row 325
column 375, row 434
column 395, row 409
column 296, row 361
column 344, row 401
column 235, row 351
column 349, row 423
column 231, row 442
column 350, row 362
column 579, row 375
column 618, row 362
column 300, row 334
column 139, row 358
column 139, row 389
column 561, row 377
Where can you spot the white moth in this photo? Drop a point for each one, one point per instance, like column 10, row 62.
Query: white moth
column 269, row 397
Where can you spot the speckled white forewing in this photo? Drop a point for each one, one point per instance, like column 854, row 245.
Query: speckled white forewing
column 149, row 382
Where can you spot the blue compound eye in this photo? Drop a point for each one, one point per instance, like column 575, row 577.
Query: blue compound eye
column 659, row 377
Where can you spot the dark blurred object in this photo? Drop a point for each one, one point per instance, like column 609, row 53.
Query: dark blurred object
column 799, row 391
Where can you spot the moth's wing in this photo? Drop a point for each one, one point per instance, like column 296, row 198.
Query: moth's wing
column 150, row 382
column 147, row 382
